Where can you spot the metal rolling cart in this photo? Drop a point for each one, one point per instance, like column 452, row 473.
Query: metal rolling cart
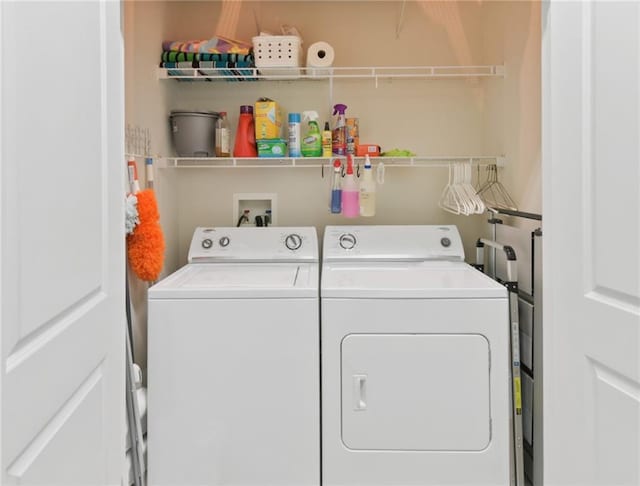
column 526, row 330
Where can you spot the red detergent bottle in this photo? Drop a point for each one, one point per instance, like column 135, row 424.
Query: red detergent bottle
column 245, row 144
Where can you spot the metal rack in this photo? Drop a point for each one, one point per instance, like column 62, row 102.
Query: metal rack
column 289, row 162
column 530, row 321
column 375, row 73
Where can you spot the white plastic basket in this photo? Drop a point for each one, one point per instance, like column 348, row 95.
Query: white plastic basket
column 283, row 53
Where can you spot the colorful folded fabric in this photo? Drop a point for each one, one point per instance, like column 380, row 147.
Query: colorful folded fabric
column 232, row 71
column 215, row 45
column 168, row 56
column 179, row 65
column 177, row 68
column 173, row 56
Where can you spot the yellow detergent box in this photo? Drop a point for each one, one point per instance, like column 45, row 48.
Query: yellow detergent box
column 268, row 119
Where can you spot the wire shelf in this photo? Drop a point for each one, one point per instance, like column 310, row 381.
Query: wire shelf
column 289, row 162
column 407, row 72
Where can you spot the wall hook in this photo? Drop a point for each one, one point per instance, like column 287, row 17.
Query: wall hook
column 322, row 170
column 358, row 170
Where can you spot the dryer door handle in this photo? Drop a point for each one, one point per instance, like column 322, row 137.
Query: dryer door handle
column 359, row 392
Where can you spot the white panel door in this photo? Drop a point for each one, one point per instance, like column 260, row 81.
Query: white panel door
column 591, row 153
column 61, row 243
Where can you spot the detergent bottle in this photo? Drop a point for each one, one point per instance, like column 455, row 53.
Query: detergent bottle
column 311, row 145
column 367, row 191
column 245, row 145
column 350, row 192
column 339, row 143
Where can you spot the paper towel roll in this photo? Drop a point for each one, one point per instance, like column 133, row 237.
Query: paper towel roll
column 320, row 56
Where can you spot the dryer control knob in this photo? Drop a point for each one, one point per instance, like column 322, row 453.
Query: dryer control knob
column 293, row 242
column 348, row 241
column 446, row 242
column 207, row 243
column 224, row 241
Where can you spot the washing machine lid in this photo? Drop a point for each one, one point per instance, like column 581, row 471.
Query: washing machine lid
column 239, row 280
column 419, row 280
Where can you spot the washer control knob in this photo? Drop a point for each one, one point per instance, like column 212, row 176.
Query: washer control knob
column 347, row 241
column 207, row 243
column 446, row 242
column 224, row 241
column 293, row 242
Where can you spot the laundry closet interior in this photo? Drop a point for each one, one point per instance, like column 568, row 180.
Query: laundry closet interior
column 486, row 109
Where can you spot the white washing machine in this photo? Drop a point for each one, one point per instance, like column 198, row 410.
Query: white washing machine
column 233, row 362
column 415, row 357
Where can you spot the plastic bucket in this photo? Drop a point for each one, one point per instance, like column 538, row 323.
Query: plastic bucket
column 193, row 133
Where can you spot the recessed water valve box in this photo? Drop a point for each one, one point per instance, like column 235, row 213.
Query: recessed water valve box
column 255, row 209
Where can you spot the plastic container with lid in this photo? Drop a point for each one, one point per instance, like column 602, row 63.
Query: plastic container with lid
column 193, row 133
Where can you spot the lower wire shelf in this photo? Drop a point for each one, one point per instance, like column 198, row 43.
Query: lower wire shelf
column 288, row 162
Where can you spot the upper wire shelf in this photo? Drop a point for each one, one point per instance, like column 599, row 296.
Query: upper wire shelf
column 267, row 162
column 288, row 73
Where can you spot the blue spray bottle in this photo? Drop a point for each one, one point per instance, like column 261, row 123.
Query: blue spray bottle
column 336, row 188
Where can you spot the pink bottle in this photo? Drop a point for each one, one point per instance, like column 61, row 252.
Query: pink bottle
column 350, row 192
column 245, row 145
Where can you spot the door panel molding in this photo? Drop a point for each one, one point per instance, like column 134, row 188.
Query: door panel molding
column 43, row 335
column 21, row 464
column 615, row 379
column 614, row 298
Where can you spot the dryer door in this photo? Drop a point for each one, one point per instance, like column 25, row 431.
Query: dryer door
column 422, row 392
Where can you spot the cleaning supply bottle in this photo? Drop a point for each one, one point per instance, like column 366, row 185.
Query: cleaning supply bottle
column 326, row 140
column 367, row 191
column 339, row 143
column 336, row 188
column 350, row 192
column 294, row 135
column 245, row 145
column 311, row 145
column 222, row 136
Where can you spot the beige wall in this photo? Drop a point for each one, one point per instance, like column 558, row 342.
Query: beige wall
column 430, row 117
column 513, row 36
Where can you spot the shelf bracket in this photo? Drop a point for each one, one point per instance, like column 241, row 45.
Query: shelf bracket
column 331, row 92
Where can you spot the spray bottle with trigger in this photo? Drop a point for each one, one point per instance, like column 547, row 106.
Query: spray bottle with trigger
column 311, row 145
column 367, row 190
column 336, row 188
column 340, row 130
column 350, row 192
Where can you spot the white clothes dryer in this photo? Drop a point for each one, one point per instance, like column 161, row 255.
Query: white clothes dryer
column 233, row 362
column 415, row 359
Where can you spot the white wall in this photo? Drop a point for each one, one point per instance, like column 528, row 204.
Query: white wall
column 430, row 117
